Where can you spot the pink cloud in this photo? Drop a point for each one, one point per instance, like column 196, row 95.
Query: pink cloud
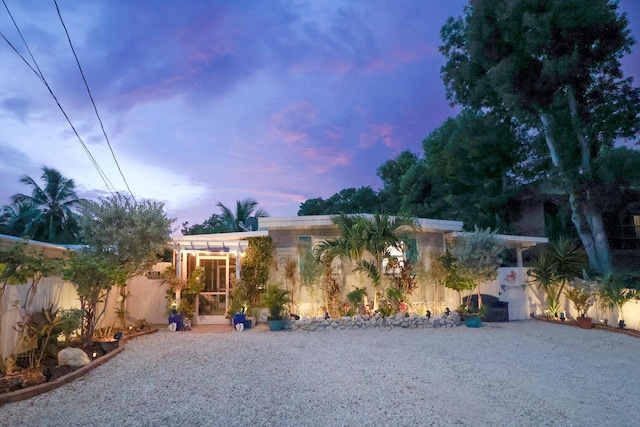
column 334, row 132
column 378, row 132
column 326, row 158
column 291, row 123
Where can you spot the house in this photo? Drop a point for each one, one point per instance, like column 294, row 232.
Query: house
column 220, row 256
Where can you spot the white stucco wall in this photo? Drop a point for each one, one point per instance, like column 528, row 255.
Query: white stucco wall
column 52, row 290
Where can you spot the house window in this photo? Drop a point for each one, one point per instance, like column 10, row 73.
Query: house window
column 636, row 224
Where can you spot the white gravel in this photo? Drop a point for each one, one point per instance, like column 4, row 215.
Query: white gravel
column 508, row 374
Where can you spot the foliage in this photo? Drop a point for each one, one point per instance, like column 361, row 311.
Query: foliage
column 554, row 67
column 446, row 272
column 472, row 177
column 581, row 293
column 216, row 223
column 182, row 293
column 93, row 274
column 71, row 322
column 35, row 331
column 134, row 234
column 19, row 265
column 615, row 290
column 375, row 235
column 347, row 201
column 475, row 258
column 256, row 264
column 49, row 209
column 245, row 209
column 562, row 262
column 275, row 298
column 290, row 272
column 356, row 298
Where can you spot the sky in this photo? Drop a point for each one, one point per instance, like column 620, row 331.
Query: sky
column 217, row 101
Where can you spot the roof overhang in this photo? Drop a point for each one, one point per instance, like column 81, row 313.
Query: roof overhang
column 318, row 221
column 219, row 242
column 522, row 242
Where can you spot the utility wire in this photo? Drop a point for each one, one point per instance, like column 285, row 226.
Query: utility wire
column 95, row 108
column 40, row 75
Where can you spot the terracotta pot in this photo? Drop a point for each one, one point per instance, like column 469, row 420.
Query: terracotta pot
column 584, row 322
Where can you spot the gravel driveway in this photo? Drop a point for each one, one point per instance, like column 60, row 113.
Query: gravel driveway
column 525, row 373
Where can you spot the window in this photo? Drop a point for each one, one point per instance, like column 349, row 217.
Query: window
column 636, row 224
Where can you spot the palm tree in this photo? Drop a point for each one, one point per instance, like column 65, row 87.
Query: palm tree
column 18, row 218
column 55, row 220
column 244, row 210
column 360, row 234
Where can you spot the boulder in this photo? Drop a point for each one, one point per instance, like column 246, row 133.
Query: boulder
column 73, row 357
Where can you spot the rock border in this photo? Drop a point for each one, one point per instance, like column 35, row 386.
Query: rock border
column 27, row 393
column 399, row 321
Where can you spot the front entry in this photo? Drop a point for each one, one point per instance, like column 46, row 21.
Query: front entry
column 212, row 302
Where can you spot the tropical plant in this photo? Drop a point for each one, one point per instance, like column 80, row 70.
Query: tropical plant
column 19, row 265
column 256, row 264
column 55, row 221
column 275, row 298
column 581, row 293
column 245, row 209
column 290, row 272
column 18, row 218
column 356, row 298
column 375, row 235
column 554, row 268
column 615, row 290
column 182, row 293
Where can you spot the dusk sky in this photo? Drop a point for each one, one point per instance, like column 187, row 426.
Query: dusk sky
column 207, row 101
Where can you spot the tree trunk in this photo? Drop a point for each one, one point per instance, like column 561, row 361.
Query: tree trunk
column 587, row 220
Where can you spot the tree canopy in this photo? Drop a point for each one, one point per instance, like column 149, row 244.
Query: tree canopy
column 553, row 66
column 132, row 233
column 47, row 214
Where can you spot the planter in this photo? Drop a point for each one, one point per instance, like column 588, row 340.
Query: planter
column 472, row 321
column 275, row 325
column 248, row 323
column 239, row 318
column 584, row 322
column 178, row 320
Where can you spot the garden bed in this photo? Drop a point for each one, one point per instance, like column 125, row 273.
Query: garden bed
column 626, row 331
column 27, row 383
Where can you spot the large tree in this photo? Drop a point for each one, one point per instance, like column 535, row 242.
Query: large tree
column 129, row 235
column 55, row 221
column 555, row 66
column 132, row 233
column 350, row 201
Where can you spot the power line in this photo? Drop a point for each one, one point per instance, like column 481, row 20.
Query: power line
column 95, row 108
column 40, row 75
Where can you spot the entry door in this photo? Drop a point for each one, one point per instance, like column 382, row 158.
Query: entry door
column 212, row 302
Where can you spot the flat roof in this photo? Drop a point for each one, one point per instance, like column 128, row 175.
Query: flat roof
column 310, row 221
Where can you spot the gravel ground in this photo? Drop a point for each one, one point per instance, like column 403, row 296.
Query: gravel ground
column 508, row 374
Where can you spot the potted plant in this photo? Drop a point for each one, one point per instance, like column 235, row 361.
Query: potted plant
column 581, row 294
column 275, row 299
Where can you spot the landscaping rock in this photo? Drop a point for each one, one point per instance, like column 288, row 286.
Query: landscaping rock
column 73, row 357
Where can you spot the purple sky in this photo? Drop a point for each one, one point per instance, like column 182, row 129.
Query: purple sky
column 207, row 101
